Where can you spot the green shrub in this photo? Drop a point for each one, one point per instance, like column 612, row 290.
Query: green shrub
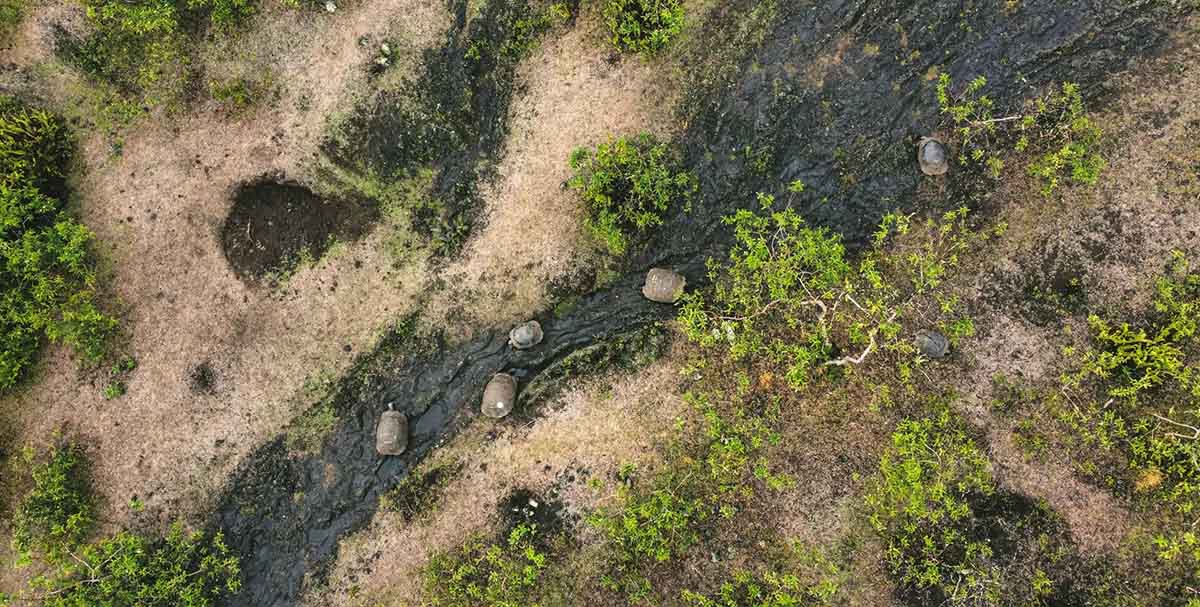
column 1058, row 120
column 45, row 265
column 1148, row 377
column 627, row 185
column 139, row 48
column 35, row 147
column 526, row 31
column 1131, row 361
column 225, row 13
column 479, row 574
column 650, row 528
column 143, row 49
column 714, row 475
column 181, row 570
column 49, row 280
column 643, row 26
column 56, row 514
column 11, row 14
column 787, row 295
column 1055, row 125
column 920, row 508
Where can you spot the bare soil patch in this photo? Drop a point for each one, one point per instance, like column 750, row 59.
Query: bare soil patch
column 272, row 224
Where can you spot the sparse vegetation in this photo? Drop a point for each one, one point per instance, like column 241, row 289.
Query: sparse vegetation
column 144, row 51
column 480, row 574
column 1135, row 396
column 45, row 263
column 643, row 26
column 238, row 95
column 713, row 476
column 776, row 586
column 55, row 518
column 414, row 496
column 309, row 431
column 628, row 185
column 12, row 12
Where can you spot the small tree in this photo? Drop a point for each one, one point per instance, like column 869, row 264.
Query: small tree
column 627, row 186
column 787, row 293
column 181, row 570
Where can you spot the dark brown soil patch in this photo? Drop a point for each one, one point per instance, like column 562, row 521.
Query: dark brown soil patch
column 273, row 226
column 202, row 378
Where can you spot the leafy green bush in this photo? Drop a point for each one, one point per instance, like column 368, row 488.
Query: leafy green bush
column 1059, row 121
column 225, row 13
column 56, row 514
column 35, row 147
column 180, row 570
column 45, row 266
column 124, row 570
column 627, row 186
column 143, row 48
column 643, row 26
column 479, row 574
column 1055, row 124
column 11, row 14
column 788, row 295
column 138, row 48
column 1131, row 361
column 920, row 507
column 650, row 528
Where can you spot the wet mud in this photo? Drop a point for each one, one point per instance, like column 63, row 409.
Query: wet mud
column 284, row 514
column 273, row 225
column 848, row 131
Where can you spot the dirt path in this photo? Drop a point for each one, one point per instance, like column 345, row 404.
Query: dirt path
column 588, row 434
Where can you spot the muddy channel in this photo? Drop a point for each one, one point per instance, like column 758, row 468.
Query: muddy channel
column 837, row 95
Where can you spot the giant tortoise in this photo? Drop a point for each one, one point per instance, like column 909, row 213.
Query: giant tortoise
column 526, row 335
column 663, row 285
column 499, row 396
column 391, row 435
column 932, row 156
column 932, row 345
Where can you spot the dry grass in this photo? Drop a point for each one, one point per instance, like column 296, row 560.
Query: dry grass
column 574, row 96
column 157, row 210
